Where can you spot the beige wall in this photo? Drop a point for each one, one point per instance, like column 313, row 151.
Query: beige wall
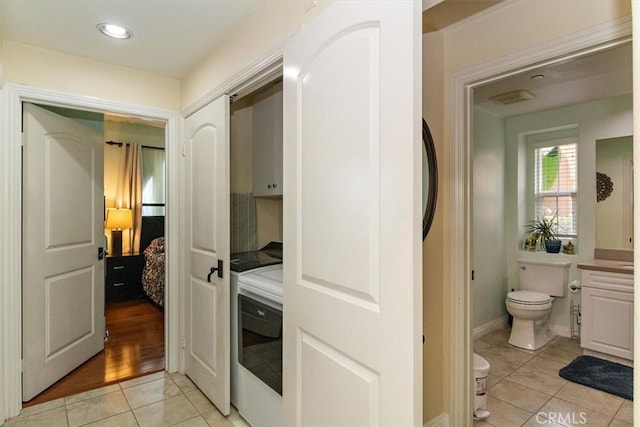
column 51, row 70
column 502, row 31
column 259, row 34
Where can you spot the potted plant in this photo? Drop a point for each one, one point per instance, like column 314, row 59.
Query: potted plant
column 545, row 230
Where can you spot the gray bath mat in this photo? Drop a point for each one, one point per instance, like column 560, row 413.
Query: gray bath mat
column 600, row 374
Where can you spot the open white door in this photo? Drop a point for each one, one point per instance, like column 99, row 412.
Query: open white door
column 63, row 236
column 208, row 295
column 352, row 218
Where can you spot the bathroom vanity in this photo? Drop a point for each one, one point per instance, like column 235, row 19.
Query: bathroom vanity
column 607, row 309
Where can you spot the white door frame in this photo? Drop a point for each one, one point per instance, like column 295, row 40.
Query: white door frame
column 11, row 98
column 591, row 40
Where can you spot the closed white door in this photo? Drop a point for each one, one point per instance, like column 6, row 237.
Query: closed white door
column 208, row 295
column 352, row 218
column 63, row 273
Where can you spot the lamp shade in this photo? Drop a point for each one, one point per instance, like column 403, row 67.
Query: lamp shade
column 119, row 218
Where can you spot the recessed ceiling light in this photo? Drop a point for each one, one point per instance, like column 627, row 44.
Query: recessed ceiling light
column 114, row 31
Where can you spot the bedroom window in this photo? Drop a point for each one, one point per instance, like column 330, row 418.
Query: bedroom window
column 153, row 181
column 556, row 184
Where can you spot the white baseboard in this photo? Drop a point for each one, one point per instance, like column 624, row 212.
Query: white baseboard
column 441, row 420
column 494, row 325
column 563, row 331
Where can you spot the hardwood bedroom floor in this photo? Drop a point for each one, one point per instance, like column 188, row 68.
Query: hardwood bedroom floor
column 135, row 347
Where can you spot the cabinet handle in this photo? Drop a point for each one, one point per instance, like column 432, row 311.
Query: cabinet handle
column 118, row 284
column 118, row 267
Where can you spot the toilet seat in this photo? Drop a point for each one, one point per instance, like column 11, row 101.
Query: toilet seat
column 528, row 298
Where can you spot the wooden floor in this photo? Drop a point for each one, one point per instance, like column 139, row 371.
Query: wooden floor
column 135, row 347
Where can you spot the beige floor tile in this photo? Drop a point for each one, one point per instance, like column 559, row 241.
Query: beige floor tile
column 199, row 401
column 544, row 365
column 216, row 419
column 144, row 379
column 625, row 413
column 570, row 414
column 618, row 423
column 499, row 366
column 480, row 423
column 183, row 382
column 510, row 355
column 537, row 380
column 540, row 420
column 193, row 422
column 96, row 408
column 493, row 380
column 154, row 391
column 236, row 420
column 504, row 414
column 497, row 337
column 166, row 412
column 92, row 393
column 566, row 345
column 126, row 419
column 519, row 395
column 481, row 347
column 596, row 400
column 47, row 406
column 558, row 354
column 53, row 417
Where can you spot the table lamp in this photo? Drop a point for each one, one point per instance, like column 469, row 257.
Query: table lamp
column 118, row 219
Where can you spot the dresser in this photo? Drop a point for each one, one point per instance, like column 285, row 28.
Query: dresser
column 124, row 277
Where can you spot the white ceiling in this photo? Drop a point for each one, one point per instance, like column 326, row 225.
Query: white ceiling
column 585, row 79
column 169, row 36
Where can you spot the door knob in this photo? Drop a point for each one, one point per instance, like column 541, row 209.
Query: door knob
column 214, row 269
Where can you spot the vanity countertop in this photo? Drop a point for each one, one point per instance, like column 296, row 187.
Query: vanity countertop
column 612, row 266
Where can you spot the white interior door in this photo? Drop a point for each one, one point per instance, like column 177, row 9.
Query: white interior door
column 208, row 294
column 63, row 275
column 352, row 218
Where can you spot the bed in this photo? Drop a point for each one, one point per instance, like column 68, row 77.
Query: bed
column 152, row 240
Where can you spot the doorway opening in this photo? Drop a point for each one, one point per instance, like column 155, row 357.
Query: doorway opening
column 134, row 269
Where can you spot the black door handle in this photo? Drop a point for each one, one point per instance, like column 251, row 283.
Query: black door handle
column 214, row 269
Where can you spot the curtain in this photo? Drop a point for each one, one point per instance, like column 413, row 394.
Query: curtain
column 129, row 194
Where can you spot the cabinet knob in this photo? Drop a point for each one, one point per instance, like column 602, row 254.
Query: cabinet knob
column 275, row 185
column 269, row 186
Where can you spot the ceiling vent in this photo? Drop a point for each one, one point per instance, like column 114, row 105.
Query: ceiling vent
column 512, row 97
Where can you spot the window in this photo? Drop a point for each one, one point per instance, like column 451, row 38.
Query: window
column 556, row 184
column 152, row 181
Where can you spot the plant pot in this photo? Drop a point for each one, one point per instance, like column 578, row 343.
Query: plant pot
column 553, row 246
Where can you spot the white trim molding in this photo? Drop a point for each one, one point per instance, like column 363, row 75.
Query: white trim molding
column 487, row 328
column 11, row 98
column 592, row 40
column 441, row 420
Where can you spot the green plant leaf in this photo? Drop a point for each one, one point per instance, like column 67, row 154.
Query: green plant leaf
column 550, row 163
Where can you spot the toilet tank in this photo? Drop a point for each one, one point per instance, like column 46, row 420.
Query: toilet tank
column 549, row 278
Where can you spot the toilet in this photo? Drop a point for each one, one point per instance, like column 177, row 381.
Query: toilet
column 530, row 306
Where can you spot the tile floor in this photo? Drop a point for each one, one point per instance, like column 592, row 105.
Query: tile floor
column 524, row 388
column 154, row 400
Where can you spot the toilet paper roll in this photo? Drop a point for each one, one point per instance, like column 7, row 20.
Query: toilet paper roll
column 574, row 286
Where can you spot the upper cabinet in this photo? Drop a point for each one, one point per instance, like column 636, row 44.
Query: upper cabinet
column 267, row 146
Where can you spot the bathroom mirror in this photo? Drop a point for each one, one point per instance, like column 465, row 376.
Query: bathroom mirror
column 614, row 186
column 429, row 179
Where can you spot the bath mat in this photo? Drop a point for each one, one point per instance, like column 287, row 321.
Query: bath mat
column 600, row 374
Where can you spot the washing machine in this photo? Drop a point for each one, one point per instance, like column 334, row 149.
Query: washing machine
column 256, row 344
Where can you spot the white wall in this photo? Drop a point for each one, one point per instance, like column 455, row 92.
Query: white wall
column 597, row 120
column 488, row 204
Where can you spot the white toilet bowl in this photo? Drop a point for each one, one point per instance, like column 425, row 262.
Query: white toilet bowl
column 530, row 311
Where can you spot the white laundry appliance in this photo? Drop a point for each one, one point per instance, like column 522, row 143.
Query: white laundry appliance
column 256, row 344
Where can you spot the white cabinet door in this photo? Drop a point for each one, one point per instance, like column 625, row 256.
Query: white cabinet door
column 607, row 322
column 63, row 276
column 352, row 218
column 207, row 291
column 267, row 146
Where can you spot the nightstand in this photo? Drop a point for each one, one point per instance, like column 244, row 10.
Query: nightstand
column 124, row 277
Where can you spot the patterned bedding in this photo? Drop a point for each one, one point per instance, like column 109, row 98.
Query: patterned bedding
column 153, row 273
